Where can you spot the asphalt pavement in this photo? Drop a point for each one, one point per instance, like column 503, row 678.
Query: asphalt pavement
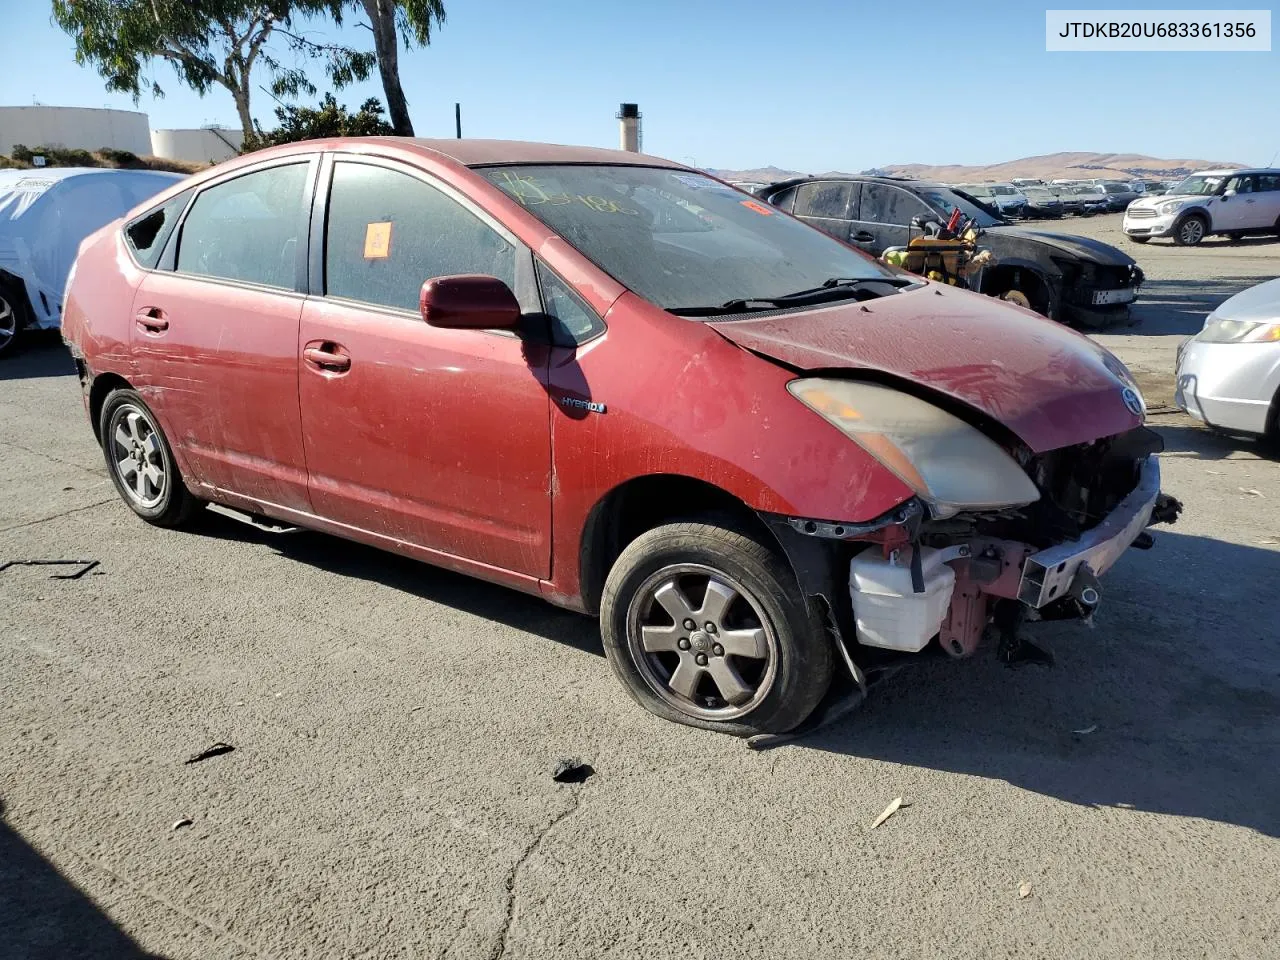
column 395, row 729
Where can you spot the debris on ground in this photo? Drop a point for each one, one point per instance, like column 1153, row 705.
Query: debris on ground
column 216, row 750
column 1085, row 730
column 1024, row 891
column 85, row 565
column 894, row 806
column 179, row 824
column 572, row 771
column 1250, row 492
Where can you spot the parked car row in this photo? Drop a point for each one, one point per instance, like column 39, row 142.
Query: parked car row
column 449, row 349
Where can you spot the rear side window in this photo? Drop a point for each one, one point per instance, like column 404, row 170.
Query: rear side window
column 389, row 233
column 248, row 228
column 573, row 322
column 1268, row 182
column 885, row 204
column 148, row 234
column 830, row 200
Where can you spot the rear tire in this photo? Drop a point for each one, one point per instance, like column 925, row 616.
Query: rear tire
column 706, row 626
column 1191, row 231
column 141, row 463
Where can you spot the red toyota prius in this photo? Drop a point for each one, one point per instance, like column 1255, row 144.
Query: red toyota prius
column 758, row 455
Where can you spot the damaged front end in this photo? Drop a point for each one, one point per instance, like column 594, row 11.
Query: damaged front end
column 896, row 584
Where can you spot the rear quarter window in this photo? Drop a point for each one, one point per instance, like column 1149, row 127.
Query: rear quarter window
column 147, row 235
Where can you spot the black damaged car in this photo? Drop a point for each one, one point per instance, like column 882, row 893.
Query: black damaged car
column 1074, row 280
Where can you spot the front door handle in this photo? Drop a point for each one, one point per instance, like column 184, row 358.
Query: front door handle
column 327, row 357
column 862, row 236
column 152, row 319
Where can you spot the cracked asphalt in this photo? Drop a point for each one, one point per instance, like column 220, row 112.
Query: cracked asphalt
column 395, row 730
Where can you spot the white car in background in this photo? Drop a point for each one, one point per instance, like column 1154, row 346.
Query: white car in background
column 1229, row 373
column 44, row 214
column 1234, row 202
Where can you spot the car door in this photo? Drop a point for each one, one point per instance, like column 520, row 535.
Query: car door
column 1267, row 193
column 828, row 205
column 1241, row 210
column 215, row 332
column 438, row 438
column 884, row 213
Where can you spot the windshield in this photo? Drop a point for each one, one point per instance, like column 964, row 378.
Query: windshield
column 951, row 200
column 1003, row 191
column 1040, row 193
column 679, row 238
column 1199, row 186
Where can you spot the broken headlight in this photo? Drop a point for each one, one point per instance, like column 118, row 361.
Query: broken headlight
column 950, row 465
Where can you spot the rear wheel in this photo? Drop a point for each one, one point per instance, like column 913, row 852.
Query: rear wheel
column 1191, row 231
column 10, row 316
column 706, row 626
column 140, row 461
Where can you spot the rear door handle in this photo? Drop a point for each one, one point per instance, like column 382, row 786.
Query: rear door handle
column 327, row 357
column 862, row 236
column 152, row 319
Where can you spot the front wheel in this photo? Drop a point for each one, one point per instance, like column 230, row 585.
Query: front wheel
column 707, row 626
column 141, row 461
column 1191, row 231
column 10, row 313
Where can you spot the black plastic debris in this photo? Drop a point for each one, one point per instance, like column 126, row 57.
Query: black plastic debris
column 217, row 750
column 572, row 771
column 85, row 567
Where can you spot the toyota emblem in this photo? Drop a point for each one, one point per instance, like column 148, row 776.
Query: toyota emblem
column 1133, row 401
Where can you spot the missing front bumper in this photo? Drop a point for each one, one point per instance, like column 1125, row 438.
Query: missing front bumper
column 1049, row 574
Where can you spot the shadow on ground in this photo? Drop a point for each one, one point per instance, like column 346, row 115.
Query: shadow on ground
column 467, row 594
column 1197, row 442
column 1182, row 693
column 44, row 916
column 39, row 354
column 1178, row 307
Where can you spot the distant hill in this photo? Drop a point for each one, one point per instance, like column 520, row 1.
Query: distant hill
column 1048, row 167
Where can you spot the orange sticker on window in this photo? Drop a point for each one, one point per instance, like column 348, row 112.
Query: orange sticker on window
column 759, row 208
column 377, row 241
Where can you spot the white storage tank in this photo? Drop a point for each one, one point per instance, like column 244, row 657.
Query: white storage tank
column 197, row 145
column 86, row 128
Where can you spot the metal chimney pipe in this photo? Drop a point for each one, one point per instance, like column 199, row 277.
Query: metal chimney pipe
column 629, row 127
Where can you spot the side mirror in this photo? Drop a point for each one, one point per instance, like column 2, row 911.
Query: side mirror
column 1230, row 192
column 469, row 302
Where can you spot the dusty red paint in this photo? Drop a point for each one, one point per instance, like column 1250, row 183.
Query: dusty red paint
column 1046, row 383
column 456, row 446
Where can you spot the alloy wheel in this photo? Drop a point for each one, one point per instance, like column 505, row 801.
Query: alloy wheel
column 136, row 455
column 1192, row 231
column 702, row 642
column 8, row 323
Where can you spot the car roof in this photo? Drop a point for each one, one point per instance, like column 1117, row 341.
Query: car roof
column 907, row 183
column 1232, row 171
column 480, row 153
column 52, row 175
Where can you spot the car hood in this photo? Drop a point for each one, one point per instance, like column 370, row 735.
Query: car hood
column 1082, row 248
column 1260, row 303
column 1155, row 200
column 1048, row 385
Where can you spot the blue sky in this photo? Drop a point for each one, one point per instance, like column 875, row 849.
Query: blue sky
column 812, row 85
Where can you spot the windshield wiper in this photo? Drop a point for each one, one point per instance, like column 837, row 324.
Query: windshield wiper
column 835, row 288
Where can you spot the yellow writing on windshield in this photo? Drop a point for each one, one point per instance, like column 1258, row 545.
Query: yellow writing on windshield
column 530, row 192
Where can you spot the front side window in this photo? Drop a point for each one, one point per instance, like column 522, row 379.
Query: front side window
column 885, row 204
column 390, row 232
column 948, row 201
column 679, row 238
column 147, row 235
column 248, row 229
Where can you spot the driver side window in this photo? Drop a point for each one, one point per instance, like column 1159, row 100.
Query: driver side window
column 248, row 228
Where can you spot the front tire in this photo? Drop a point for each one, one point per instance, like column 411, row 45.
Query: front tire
column 11, row 315
column 141, row 463
column 707, row 626
column 1191, row 231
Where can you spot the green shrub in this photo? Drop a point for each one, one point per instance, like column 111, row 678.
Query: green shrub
column 21, row 153
column 121, row 158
